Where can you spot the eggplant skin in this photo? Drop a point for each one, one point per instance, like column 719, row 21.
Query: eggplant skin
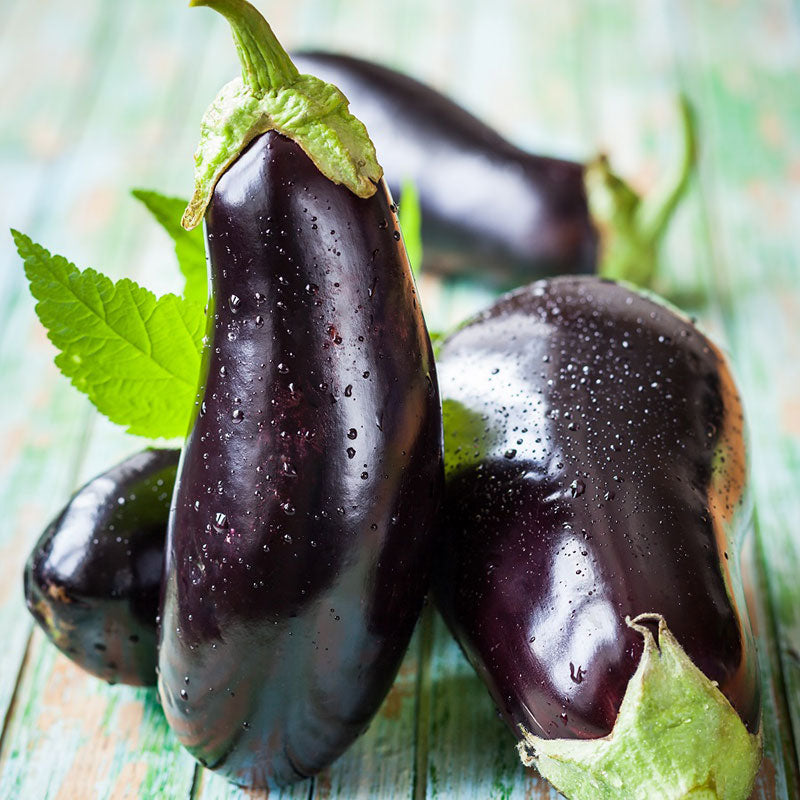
column 489, row 209
column 92, row 581
column 595, row 467
column 303, row 522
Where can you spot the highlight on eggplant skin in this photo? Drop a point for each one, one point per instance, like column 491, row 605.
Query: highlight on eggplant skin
column 595, row 470
column 490, row 209
column 299, row 548
column 92, row 581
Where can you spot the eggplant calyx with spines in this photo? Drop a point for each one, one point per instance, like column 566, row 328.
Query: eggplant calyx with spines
column 676, row 736
column 272, row 95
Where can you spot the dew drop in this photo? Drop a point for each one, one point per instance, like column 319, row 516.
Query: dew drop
column 220, row 521
column 577, row 487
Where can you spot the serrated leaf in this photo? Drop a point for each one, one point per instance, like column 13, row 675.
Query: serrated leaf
column 189, row 245
column 137, row 357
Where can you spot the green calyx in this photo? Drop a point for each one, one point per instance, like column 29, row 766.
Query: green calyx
column 272, row 95
column 676, row 737
column 631, row 228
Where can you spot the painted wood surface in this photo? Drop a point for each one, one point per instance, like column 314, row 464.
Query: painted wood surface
column 99, row 97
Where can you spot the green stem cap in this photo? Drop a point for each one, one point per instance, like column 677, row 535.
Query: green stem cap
column 632, row 228
column 272, row 95
column 676, row 737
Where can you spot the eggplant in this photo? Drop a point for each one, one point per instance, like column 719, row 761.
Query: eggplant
column 594, row 504
column 302, row 528
column 92, row 581
column 490, row 209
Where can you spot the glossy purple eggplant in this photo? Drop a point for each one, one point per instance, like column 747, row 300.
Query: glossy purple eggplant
column 594, row 470
column 301, row 534
column 489, row 207
column 491, row 210
column 92, row 581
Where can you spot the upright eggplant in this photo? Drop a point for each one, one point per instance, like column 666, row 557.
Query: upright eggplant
column 490, row 208
column 595, row 471
column 300, row 538
column 92, row 580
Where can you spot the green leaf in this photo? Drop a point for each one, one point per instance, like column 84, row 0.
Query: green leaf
column 189, row 245
column 410, row 214
column 137, row 357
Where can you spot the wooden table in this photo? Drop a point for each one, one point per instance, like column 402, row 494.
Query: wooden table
column 99, row 96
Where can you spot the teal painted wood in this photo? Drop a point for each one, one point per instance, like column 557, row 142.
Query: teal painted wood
column 214, row 787
column 74, row 737
column 93, row 207
column 43, row 120
column 32, row 482
column 752, row 201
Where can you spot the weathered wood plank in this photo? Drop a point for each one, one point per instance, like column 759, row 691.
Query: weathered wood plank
column 210, row 786
column 32, row 483
column 87, row 203
column 72, row 736
column 50, row 86
column 742, row 72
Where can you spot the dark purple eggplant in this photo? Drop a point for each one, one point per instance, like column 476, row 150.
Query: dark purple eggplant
column 92, row 581
column 491, row 209
column 301, row 534
column 595, row 470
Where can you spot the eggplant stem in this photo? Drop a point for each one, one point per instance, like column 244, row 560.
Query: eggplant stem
column 273, row 95
column 657, row 213
column 631, row 228
column 265, row 64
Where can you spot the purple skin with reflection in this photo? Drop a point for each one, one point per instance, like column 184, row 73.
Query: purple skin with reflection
column 92, row 580
column 594, row 469
column 299, row 546
column 537, row 221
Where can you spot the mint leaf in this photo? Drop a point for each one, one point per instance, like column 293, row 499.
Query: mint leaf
column 189, row 246
column 410, row 214
column 136, row 356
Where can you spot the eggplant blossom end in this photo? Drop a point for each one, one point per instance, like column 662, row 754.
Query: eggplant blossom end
column 676, row 737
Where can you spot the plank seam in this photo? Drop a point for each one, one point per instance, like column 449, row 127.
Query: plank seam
column 11, row 708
